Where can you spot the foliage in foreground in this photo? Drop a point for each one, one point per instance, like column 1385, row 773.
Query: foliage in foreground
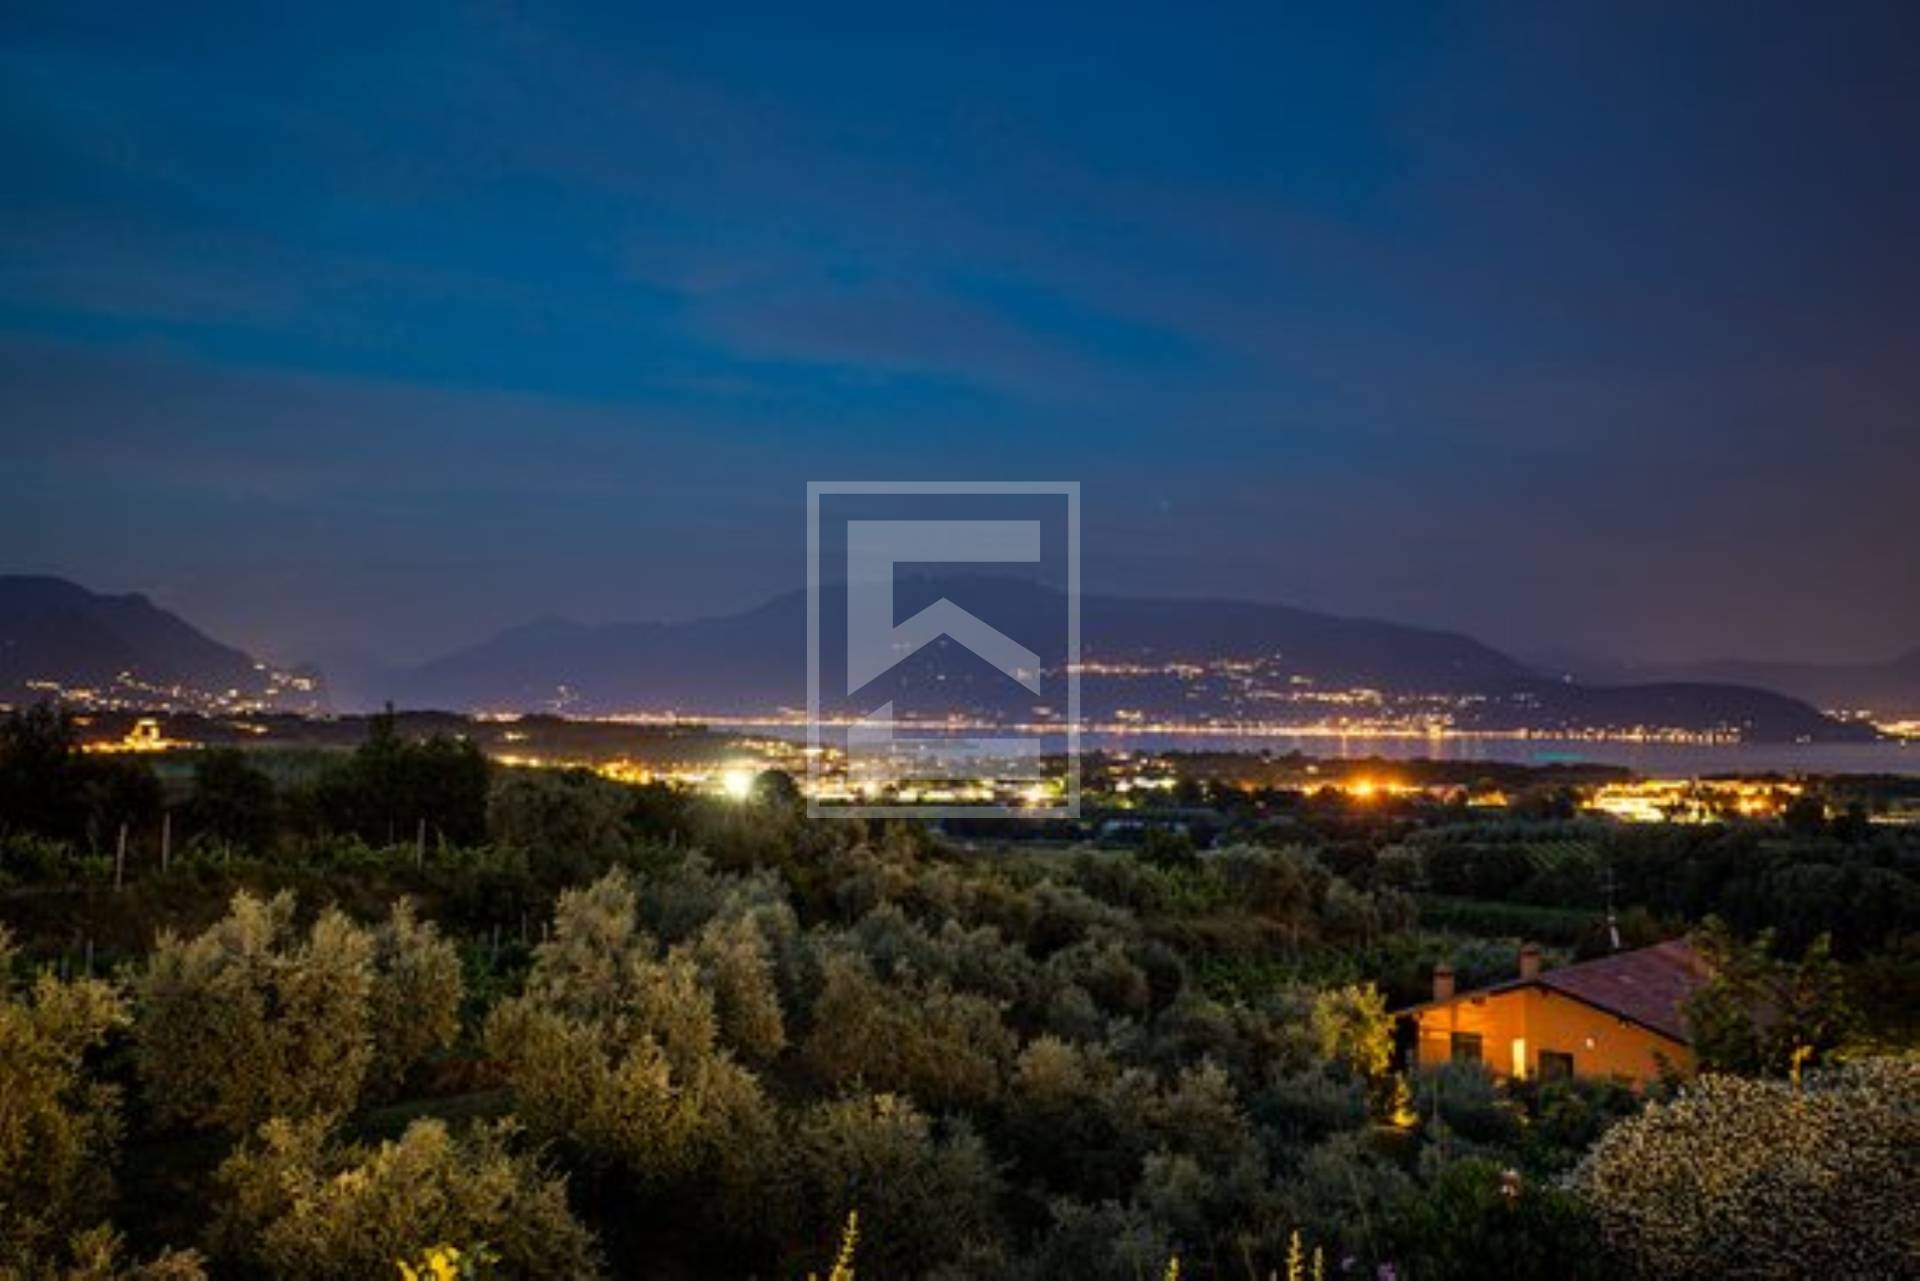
column 58, row 1131
column 617, row 1050
column 305, row 1207
column 58, row 1127
column 252, row 1020
column 1023, row 1063
column 1736, row 1177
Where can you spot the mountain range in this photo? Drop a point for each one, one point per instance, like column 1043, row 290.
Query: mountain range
column 1890, row 689
column 755, row 661
column 58, row 637
column 1142, row 660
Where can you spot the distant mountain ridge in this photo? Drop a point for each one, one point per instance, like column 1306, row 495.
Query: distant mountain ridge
column 756, row 659
column 1135, row 649
column 1890, row 689
column 56, row 636
column 1193, row 661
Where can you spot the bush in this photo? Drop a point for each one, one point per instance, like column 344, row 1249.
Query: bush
column 98, row 1254
column 233, row 803
column 391, row 786
column 737, row 966
column 301, row 1207
column 1759, row 1013
column 1738, row 1178
column 1351, row 1027
column 1570, row 1116
column 1108, row 975
column 58, row 1128
column 1104, row 1242
column 415, row 999
column 28, row 859
column 1343, row 1191
column 1466, row 1100
column 922, row 1198
column 572, row 819
column 945, row 1048
column 1478, row 1222
column 617, row 1052
column 1075, row 1123
column 250, row 1021
column 1304, row 1108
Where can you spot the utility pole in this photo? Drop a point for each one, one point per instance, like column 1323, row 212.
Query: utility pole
column 166, row 840
column 1613, row 923
column 120, row 860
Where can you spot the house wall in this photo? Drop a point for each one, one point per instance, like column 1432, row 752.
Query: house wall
column 1515, row 1026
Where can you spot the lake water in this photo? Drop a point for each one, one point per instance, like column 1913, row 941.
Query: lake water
column 1662, row 760
column 1668, row 760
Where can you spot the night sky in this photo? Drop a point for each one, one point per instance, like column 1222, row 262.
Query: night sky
column 1577, row 327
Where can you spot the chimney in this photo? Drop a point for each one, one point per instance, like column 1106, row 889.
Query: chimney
column 1443, row 982
column 1530, row 961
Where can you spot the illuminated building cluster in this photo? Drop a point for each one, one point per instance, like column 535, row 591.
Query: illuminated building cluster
column 1666, row 800
column 712, row 760
column 278, row 691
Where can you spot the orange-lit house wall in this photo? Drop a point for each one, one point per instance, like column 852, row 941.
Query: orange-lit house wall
column 1515, row 1026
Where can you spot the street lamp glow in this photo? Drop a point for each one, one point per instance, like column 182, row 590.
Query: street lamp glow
column 737, row 784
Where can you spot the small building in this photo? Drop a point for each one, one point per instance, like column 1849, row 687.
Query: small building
column 1616, row 1017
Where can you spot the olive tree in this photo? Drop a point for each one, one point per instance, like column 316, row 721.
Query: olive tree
column 1761, row 1013
column 617, row 1051
column 923, row 1197
column 944, row 1048
column 415, row 999
column 1351, row 1027
column 58, row 1126
column 737, row 965
column 255, row 1018
column 303, row 1207
column 99, row 1254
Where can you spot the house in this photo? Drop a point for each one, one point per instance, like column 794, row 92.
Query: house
column 1618, row 1016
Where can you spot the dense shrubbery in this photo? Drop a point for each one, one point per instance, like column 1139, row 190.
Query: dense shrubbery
column 392, row 789
column 1861, row 886
column 301, row 1206
column 726, row 1029
column 924, row 1197
column 1746, row 1178
column 251, row 1020
column 58, row 1127
column 616, row 1050
column 1478, row 1221
column 50, row 789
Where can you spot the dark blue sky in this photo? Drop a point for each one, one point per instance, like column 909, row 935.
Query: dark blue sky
column 1573, row 326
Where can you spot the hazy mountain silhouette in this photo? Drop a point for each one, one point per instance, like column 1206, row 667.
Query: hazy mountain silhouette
column 1157, row 659
column 757, row 659
column 55, row 630
column 754, row 662
column 1889, row 689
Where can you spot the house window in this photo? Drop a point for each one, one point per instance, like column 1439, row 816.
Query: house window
column 1466, row 1047
column 1555, row 1066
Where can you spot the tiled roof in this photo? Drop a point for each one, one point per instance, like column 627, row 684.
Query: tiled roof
column 1649, row 985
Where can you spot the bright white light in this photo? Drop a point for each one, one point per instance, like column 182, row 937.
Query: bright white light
column 737, row 783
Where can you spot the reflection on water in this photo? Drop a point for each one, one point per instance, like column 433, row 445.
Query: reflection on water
column 1666, row 760
column 1659, row 760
